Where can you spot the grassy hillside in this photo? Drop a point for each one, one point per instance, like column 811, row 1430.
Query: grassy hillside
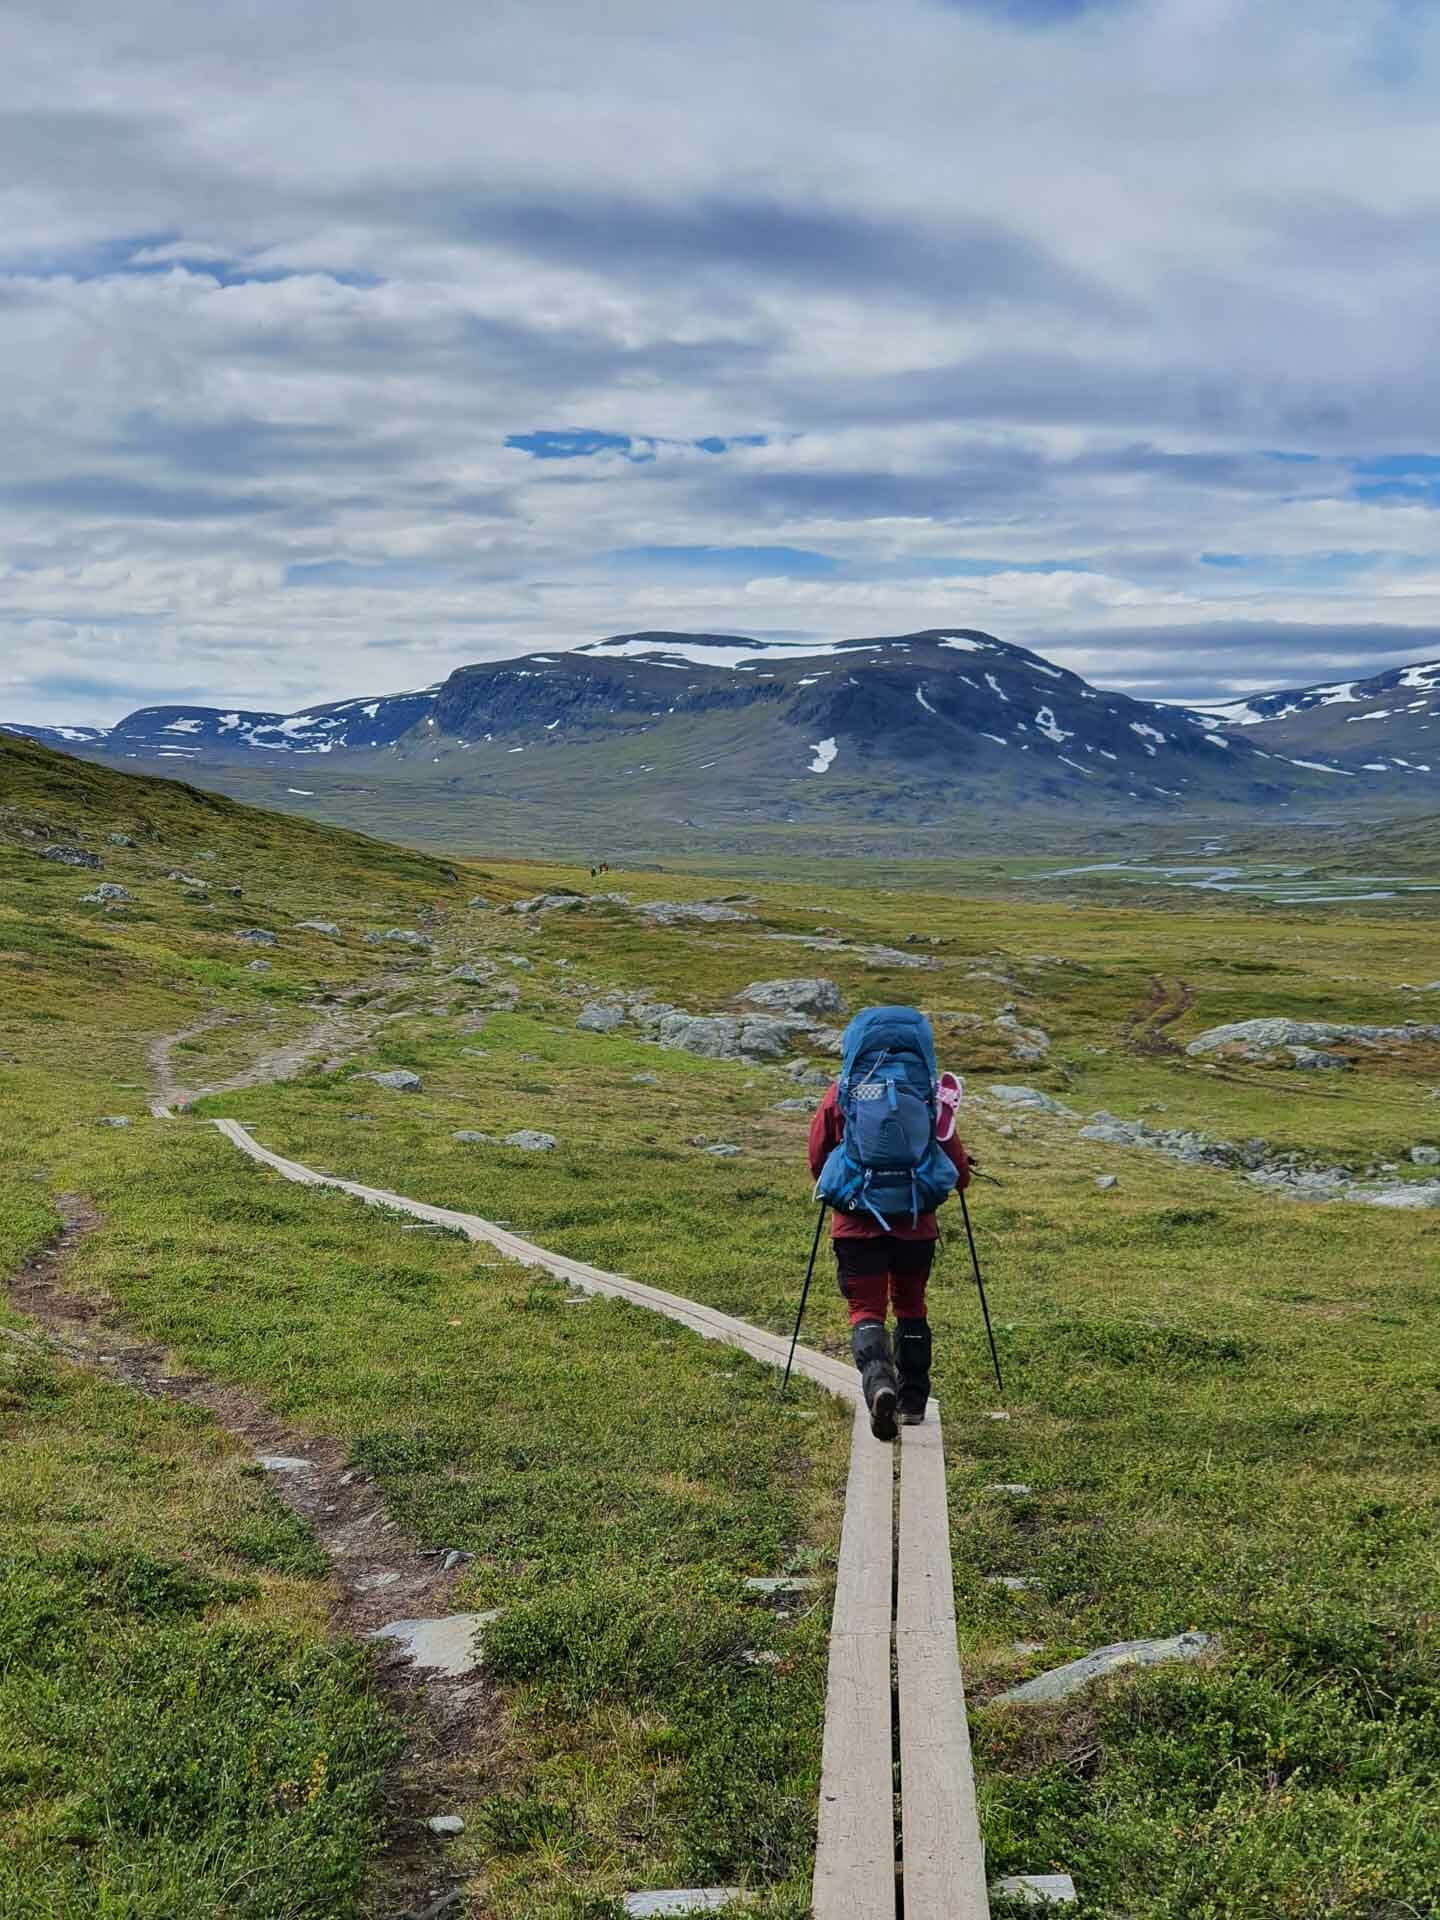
column 1223, row 1402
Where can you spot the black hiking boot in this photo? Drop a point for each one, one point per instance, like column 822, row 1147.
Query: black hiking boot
column 912, row 1357
column 870, row 1345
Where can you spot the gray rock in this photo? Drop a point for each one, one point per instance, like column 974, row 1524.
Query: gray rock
column 114, row 1120
column 327, row 927
column 479, row 901
column 259, row 966
column 179, row 875
column 1313, row 1060
column 1257, row 1037
column 681, row 1900
column 1061, row 1682
column 400, row 937
column 520, row 960
column 1106, row 1181
column 781, row 1583
column 446, row 1646
column 467, row 1136
column 666, row 913
column 644, row 1079
column 1038, row 1889
column 71, row 856
column 234, row 892
column 599, row 1018
column 1028, row 1099
column 1425, row 1156
column 107, row 890
column 814, row 996
column 1012, row 1582
column 257, row 937
column 398, row 1079
column 124, row 840
column 472, row 975
column 826, row 1039
column 444, row 1823
column 1407, row 1199
column 529, row 1141
column 1028, row 1045
column 723, row 1150
column 876, row 959
column 206, row 854
column 712, row 1036
column 1018, row 1489
column 282, row 1463
column 803, row 1103
column 561, row 900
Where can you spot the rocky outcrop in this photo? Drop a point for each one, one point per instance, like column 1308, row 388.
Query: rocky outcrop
column 668, row 913
column 397, row 1079
column 1253, row 1039
column 71, row 856
column 809, row 996
column 257, row 937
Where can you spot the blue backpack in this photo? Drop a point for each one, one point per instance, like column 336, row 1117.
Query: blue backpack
column 889, row 1162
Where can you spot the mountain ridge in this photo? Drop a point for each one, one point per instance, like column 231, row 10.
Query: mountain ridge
column 712, row 732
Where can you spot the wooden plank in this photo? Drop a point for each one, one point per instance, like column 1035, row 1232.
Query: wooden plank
column 771, row 1348
column 944, row 1858
column 855, row 1846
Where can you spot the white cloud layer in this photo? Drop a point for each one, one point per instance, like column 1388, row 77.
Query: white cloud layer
column 1105, row 326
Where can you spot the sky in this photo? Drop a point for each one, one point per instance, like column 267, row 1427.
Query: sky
column 342, row 346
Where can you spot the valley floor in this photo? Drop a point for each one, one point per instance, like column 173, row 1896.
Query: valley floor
column 1224, row 1404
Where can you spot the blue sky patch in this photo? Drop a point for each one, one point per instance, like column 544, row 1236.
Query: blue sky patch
column 795, row 562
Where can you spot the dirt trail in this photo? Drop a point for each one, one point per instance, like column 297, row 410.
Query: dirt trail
column 379, row 1573
column 339, row 1031
column 1161, row 1008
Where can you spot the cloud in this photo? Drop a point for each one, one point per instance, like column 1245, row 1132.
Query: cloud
column 437, row 343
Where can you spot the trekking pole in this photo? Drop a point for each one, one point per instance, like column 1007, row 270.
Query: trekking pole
column 980, row 1284
column 804, row 1296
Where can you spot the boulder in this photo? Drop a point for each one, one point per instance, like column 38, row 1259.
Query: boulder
column 398, row 1079
column 1314, row 1060
column 479, row 901
column 809, row 996
column 259, row 966
column 723, row 1150
column 467, row 1136
column 114, row 1120
column 179, row 875
column 529, row 1141
column 1107, row 1181
column 124, row 840
column 257, row 937
column 71, row 856
column 445, row 1823
column 1425, row 1156
column 472, row 974
column 107, row 890
column 1028, row 1099
column 597, row 1017
column 327, row 927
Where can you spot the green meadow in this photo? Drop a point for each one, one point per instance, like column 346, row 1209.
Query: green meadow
column 1225, row 1403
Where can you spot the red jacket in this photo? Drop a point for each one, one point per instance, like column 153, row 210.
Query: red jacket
column 825, row 1131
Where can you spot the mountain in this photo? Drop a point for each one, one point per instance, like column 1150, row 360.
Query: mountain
column 1388, row 724
column 668, row 738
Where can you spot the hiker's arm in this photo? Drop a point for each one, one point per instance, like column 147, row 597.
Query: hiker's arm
column 961, row 1159
column 824, row 1132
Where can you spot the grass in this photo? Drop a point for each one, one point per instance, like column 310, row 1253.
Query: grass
column 1227, row 1405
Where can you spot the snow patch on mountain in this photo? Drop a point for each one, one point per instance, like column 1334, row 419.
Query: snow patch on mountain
column 824, row 752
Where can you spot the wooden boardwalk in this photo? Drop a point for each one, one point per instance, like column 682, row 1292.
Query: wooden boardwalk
column 875, row 1613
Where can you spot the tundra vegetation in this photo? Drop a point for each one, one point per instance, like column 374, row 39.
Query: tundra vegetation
column 1224, row 1402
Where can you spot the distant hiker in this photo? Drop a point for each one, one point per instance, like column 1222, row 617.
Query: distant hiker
column 884, row 1155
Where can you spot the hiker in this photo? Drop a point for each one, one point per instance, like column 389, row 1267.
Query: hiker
column 884, row 1155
